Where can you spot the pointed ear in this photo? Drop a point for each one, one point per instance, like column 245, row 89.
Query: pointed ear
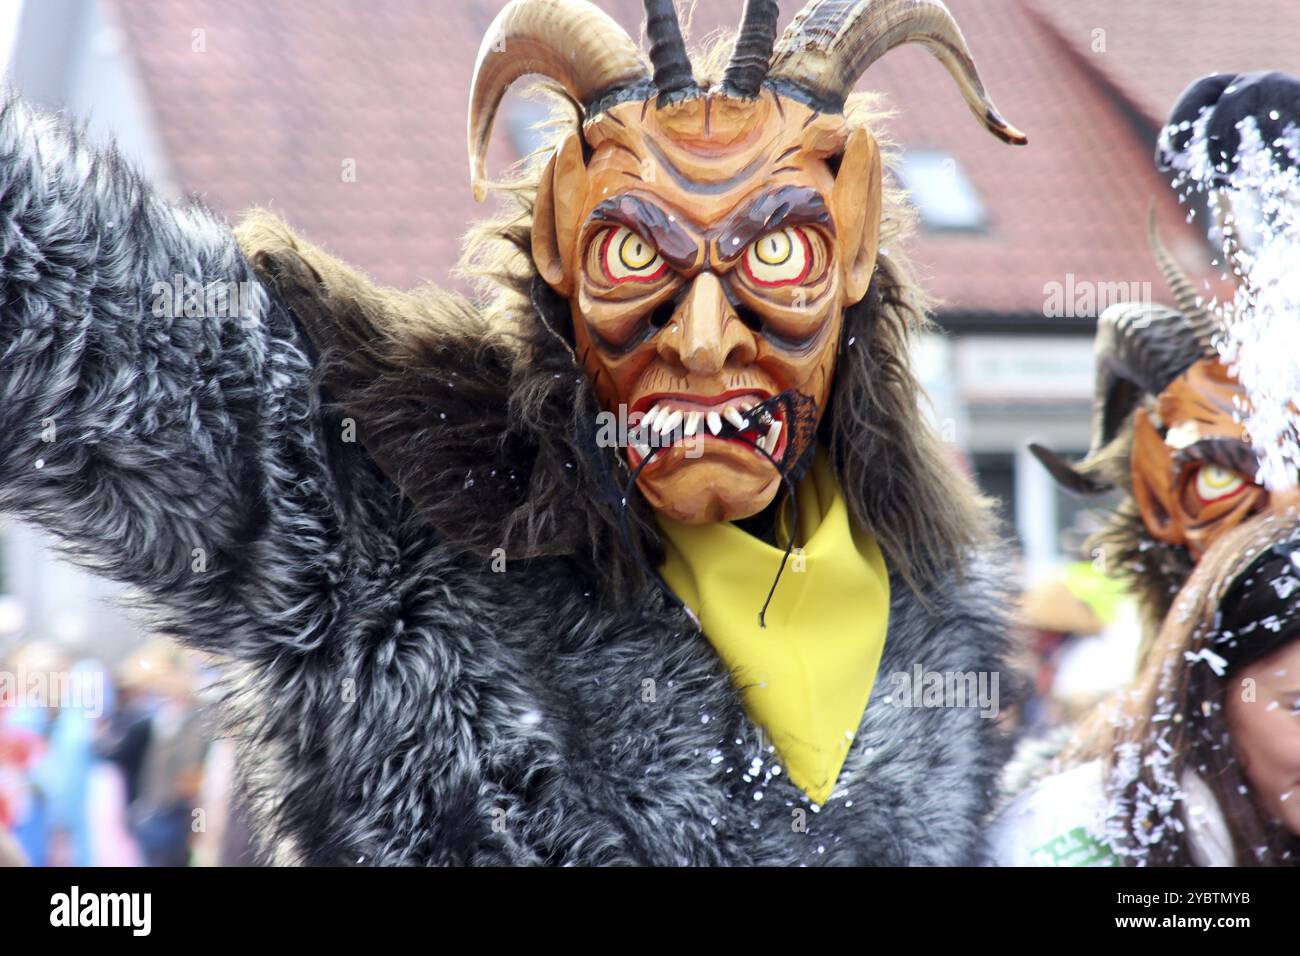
column 856, row 207
column 1151, row 471
column 560, row 195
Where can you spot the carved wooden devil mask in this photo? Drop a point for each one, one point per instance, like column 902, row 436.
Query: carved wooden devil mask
column 1192, row 468
column 709, row 241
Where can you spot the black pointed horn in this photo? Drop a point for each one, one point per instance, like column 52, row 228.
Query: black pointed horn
column 753, row 50
column 673, row 77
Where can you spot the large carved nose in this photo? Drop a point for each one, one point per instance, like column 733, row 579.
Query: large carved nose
column 705, row 335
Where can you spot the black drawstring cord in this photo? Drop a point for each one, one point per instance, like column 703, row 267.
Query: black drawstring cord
column 626, row 531
column 794, row 533
column 659, row 581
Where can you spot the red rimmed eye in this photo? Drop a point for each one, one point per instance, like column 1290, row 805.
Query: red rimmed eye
column 625, row 256
column 782, row 257
column 1215, row 483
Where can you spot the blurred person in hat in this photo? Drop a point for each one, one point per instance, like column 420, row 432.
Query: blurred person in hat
column 1050, row 616
column 168, row 787
column 1198, row 762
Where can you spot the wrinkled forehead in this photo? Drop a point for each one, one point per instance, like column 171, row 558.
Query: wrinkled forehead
column 1204, row 405
column 705, row 155
column 1207, row 393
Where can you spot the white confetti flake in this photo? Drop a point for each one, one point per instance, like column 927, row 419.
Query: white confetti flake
column 1256, row 217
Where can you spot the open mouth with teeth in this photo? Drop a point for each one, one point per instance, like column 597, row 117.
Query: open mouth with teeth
column 745, row 418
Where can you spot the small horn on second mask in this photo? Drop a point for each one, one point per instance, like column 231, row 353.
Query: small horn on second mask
column 1198, row 315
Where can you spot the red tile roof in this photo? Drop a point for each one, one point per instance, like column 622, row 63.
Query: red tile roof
column 1071, row 203
column 286, row 93
column 1150, row 51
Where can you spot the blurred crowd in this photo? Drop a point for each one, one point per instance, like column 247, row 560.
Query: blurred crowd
column 1076, row 635
column 113, row 766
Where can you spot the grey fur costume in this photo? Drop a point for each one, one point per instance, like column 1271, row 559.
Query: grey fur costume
column 397, row 701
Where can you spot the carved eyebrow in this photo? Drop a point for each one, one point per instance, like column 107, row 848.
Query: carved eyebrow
column 1227, row 453
column 678, row 247
column 787, row 206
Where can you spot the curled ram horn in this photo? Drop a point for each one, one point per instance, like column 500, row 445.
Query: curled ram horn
column 569, row 41
column 831, row 43
column 1140, row 349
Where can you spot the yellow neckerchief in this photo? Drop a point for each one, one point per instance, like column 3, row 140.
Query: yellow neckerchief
column 806, row 677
